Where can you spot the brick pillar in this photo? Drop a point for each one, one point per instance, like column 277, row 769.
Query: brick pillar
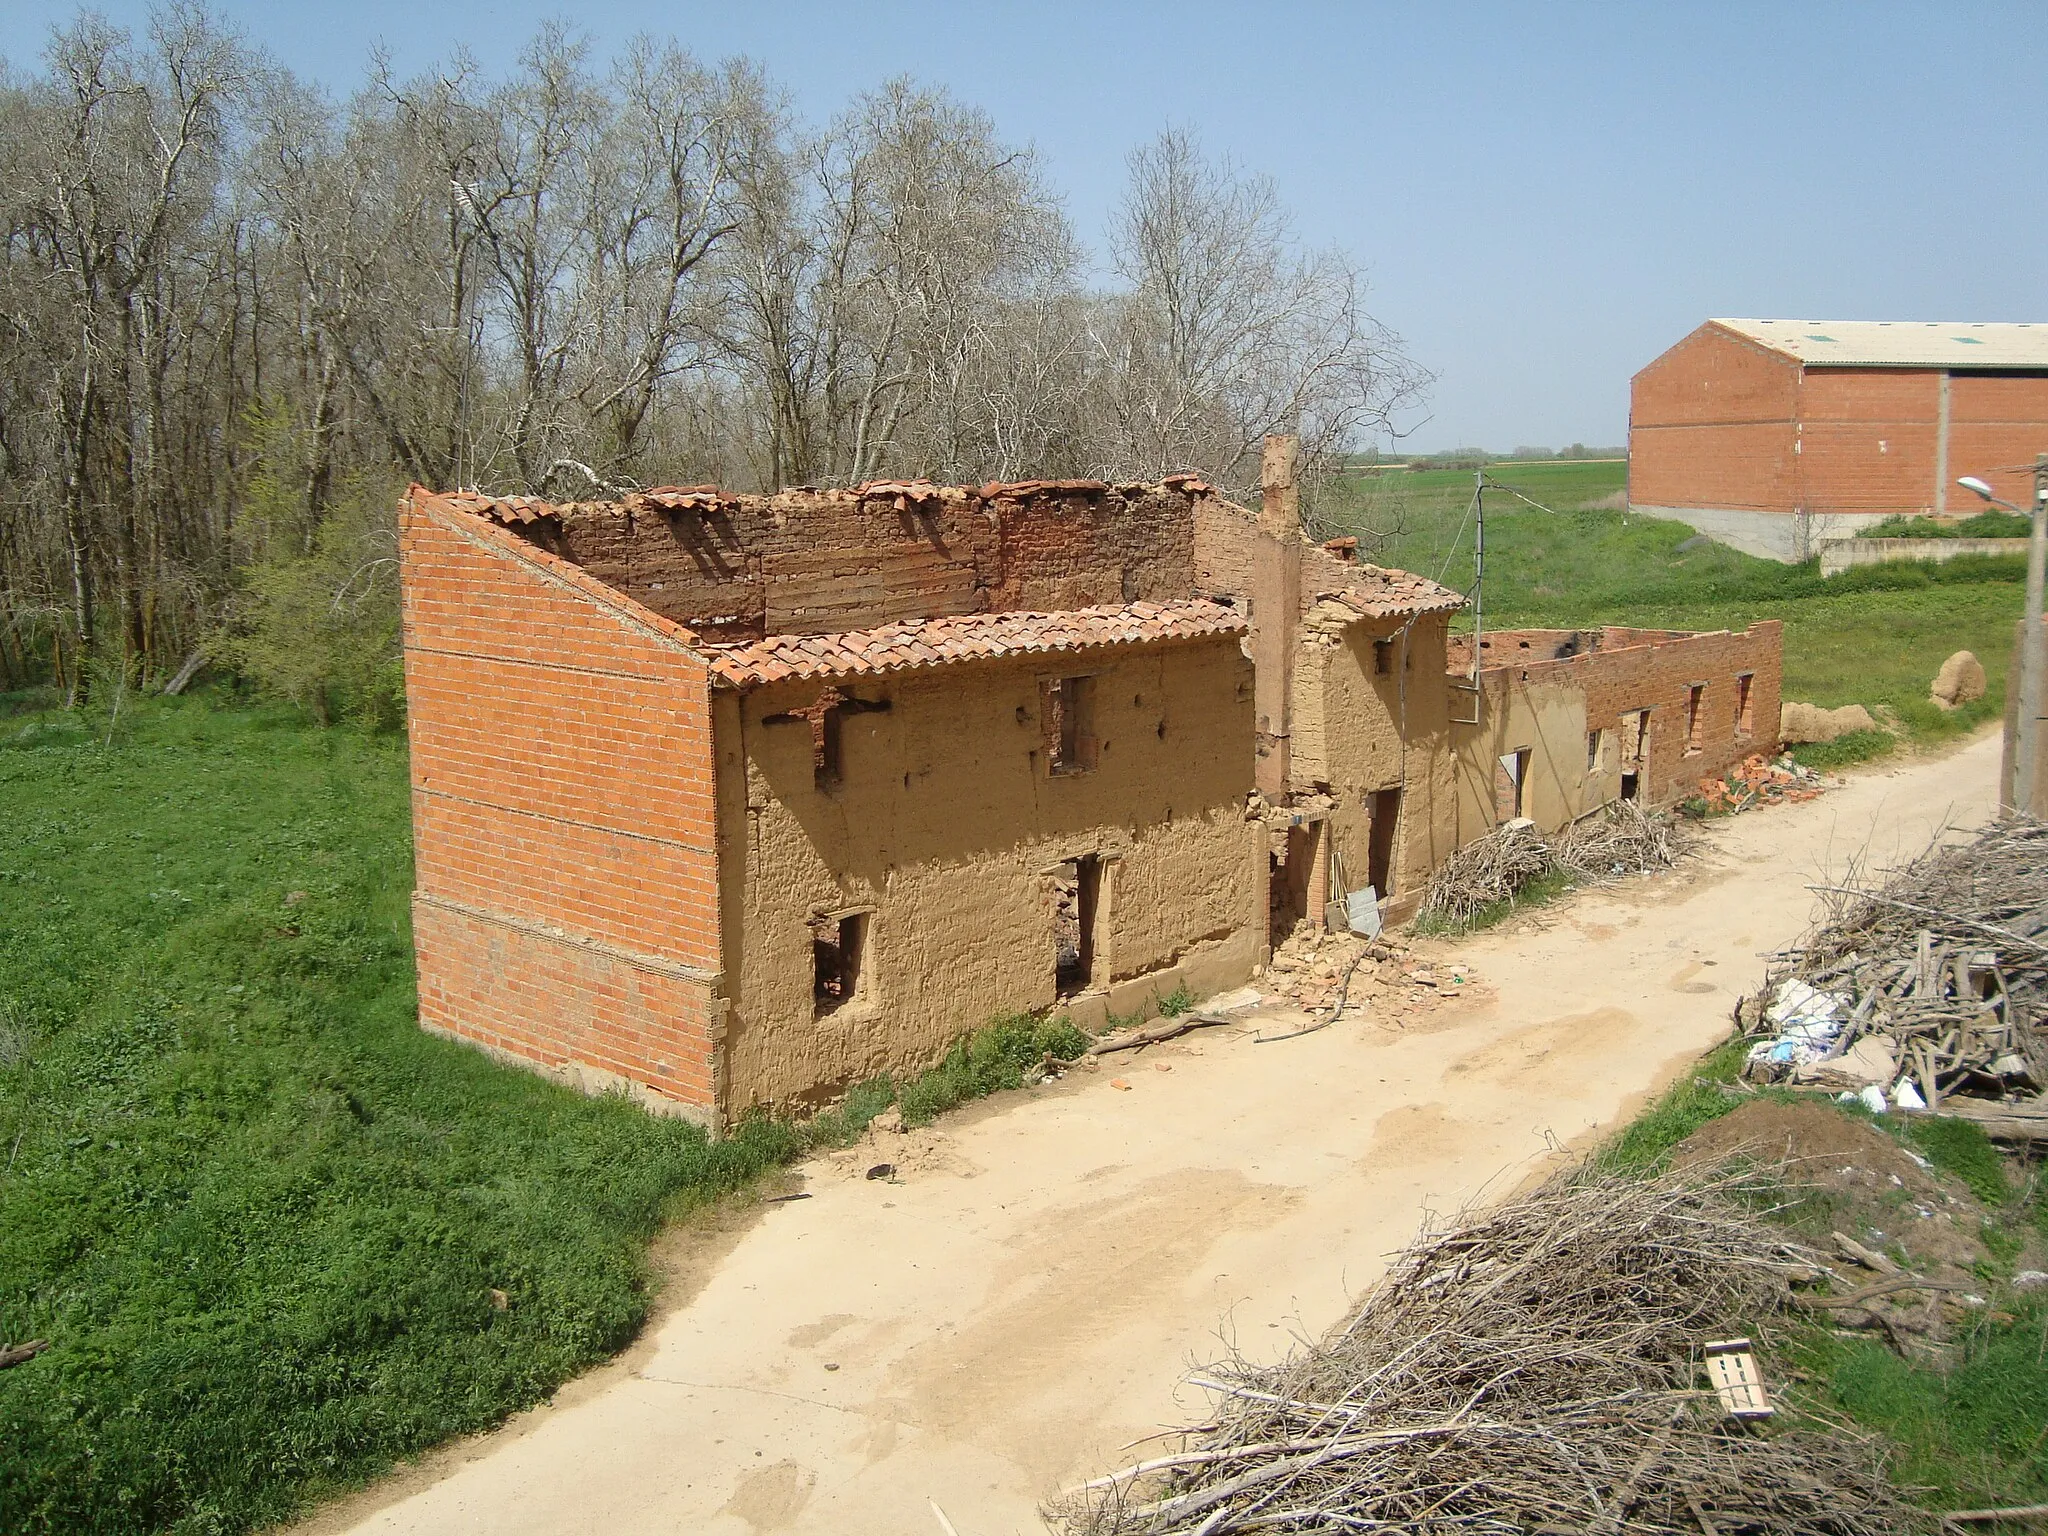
column 1276, row 610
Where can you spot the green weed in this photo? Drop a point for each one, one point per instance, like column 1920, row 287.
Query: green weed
column 1644, row 1145
column 1959, row 1148
column 1850, row 747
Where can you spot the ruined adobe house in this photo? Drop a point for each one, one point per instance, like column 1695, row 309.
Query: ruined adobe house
column 1567, row 721
column 733, row 800
column 737, row 799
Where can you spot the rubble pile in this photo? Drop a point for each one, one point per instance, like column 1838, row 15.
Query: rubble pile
column 1325, row 974
column 1929, row 984
column 1542, row 1365
column 1759, row 781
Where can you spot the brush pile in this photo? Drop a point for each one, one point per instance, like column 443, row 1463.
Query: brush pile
column 1487, row 870
column 1534, row 1367
column 1623, row 839
column 1930, row 983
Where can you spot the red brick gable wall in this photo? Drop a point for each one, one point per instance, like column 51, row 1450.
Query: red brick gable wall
column 1711, row 425
column 566, row 910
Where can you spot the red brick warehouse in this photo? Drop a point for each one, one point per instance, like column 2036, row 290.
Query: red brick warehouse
column 1772, row 435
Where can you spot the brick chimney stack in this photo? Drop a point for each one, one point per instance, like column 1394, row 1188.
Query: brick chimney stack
column 1276, row 611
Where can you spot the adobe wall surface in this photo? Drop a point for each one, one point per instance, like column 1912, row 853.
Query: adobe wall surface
column 1544, row 691
column 565, row 908
column 1711, row 425
column 946, row 826
column 736, row 568
column 1358, row 730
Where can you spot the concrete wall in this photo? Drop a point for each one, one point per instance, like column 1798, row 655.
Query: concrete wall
column 565, row 911
column 1545, row 691
column 944, row 826
column 1839, row 555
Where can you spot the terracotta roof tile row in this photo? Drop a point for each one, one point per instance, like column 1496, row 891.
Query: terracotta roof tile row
column 1375, row 591
column 967, row 636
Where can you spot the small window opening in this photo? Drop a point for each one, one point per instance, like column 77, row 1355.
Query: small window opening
column 1076, row 895
column 1743, row 722
column 1694, row 696
column 1067, row 710
column 1596, row 741
column 1386, row 822
column 1383, row 656
column 837, row 944
column 1510, row 780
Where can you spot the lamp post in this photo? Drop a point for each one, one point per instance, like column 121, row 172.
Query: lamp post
column 2019, row 795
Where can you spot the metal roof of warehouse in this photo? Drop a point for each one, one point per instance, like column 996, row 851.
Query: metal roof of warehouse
column 1900, row 343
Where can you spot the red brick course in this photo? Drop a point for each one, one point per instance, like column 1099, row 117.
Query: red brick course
column 563, row 811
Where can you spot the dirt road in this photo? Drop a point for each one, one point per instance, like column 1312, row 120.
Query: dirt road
column 999, row 1323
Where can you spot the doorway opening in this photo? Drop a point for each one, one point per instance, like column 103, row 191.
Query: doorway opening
column 1076, row 903
column 1386, row 821
column 1510, row 783
column 1290, row 875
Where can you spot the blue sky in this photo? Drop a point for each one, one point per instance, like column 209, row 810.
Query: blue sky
column 1546, row 196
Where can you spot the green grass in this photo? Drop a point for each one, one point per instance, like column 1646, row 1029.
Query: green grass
column 1992, row 524
column 256, row 1210
column 1975, row 1436
column 1875, row 635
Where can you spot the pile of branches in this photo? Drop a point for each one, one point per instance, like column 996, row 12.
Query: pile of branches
column 1621, row 839
column 1944, row 964
column 1485, row 871
column 1624, row 839
column 1534, row 1367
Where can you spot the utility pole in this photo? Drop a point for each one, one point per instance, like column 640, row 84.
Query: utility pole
column 1478, row 569
column 2024, row 796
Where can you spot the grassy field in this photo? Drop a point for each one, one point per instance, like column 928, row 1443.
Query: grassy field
column 1873, row 636
column 277, row 1236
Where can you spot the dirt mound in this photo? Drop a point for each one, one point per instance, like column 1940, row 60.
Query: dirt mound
column 1863, row 1183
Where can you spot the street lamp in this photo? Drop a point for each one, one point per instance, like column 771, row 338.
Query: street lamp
column 2019, row 793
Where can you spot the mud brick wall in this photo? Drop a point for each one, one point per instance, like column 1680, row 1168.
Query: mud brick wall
column 944, row 827
column 565, row 910
column 819, row 562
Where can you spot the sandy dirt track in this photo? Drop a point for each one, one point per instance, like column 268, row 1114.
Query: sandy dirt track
column 999, row 1323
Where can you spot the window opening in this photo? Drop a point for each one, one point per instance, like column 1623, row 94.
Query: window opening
column 1595, row 742
column 1076, row 897
column 1067, row 710
column 826, row 715
column 1742, row 711
column 1386, row 819
column 1383, row 656
column 1509, row 776
column 1693, row 698
column 837, row 945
